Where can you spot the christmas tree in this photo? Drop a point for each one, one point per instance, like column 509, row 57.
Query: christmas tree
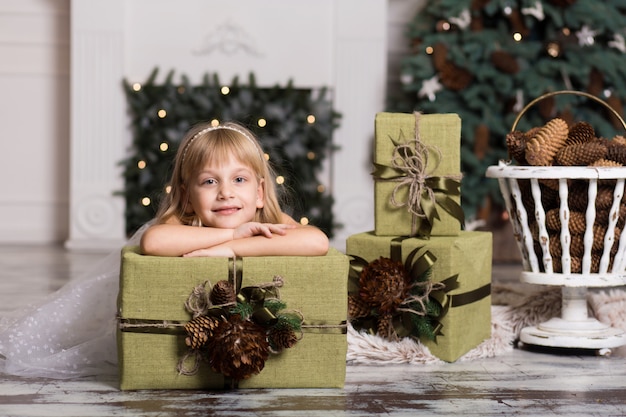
column 487, row 59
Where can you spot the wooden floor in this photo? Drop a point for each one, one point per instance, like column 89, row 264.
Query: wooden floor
column 522, row 382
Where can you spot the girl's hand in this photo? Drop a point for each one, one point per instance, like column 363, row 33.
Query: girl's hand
column 215, row 251
column 263, row 229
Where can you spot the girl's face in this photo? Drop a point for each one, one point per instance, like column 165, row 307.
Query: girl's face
column 225, row 196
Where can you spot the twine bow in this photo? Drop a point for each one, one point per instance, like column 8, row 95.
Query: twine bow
column 410, row 167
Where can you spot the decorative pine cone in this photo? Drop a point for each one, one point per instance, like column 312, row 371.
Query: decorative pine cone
column 578, row 198
column 616, row 152
column 223, row 292
column 576, row 222
column 619, row 139
column 599, row 231
column 516, row 144
column 580, row 154
column 199, row 330
column 282, row 337
column 384, row 284
column 454, row 77
column 576, row 246
column 580, row 132
column 541, row 149
column 238, row 348
column 602, row 162
column 357, row 307
column 385, row 328
column 504, row 62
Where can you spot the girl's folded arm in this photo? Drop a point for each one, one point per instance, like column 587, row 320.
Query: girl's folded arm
column 177, row 239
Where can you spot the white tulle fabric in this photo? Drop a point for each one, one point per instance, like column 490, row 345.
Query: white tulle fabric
column 72, row 333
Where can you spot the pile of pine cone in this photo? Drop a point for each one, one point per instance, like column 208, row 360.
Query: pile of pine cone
column 557, row 144
column 232, row 344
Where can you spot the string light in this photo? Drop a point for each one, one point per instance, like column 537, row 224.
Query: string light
column 430, row 50
column 164, row 146
column 266, row 156
column 304, row 221
column 141, row 164
column 310, row 119
column 517, row 36
column 168, row 189
column 261, row 122
column 321, row 188
column 137, row 87
column 225, row 90
column 310, row 155
column 215, row 122
column 145, row 201
column 280, row 180
column 181, row 89
column 162, row 113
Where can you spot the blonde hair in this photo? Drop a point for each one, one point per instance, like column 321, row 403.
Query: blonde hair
column 206, row 144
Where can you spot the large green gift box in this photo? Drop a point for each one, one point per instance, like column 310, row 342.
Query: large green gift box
column 151, row 308
column 439, row 164
column 465, row 260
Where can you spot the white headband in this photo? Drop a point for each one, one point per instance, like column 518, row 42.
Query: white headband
column 218, row 127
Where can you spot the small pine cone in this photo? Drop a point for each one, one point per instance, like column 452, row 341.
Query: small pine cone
column 454, row 77
column 576, row 222
column 619, row 139
column 504, row 62
column 604, row 199
column 599, row 232
column 384, row 284
column 605, row 163
column 385, row 328
column 575, row 265
column 556, row 250
column 580, row 154
column 616, row 152
column 577, row 245
column 282, row 338
column 516, row 144
column 357, row 307
column 541, row 149
column 603, row 216
column 238, row 348
column 223, row 292
column 580, row 132
column 199, row 330
column 578, row 197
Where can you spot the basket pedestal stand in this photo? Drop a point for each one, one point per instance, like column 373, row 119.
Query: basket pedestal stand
column 574, row 329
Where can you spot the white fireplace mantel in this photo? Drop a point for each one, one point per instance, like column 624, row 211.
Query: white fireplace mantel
column 340, row 44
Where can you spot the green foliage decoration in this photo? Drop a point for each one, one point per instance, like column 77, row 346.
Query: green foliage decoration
column 294, row 125
column 485, row 60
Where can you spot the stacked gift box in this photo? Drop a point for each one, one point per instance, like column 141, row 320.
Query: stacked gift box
column 418, row 274
column 166, row 307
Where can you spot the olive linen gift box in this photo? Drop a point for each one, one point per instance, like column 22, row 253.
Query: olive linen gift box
column 397, row 169
column 151, row 310
column 463, row 262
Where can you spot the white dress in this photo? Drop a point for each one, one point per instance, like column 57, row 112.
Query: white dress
column 72, row 333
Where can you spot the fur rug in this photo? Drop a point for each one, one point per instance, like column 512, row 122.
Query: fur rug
column 514, row 306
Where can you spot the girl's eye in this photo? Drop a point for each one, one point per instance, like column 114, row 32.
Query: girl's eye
column 209, row 181
column 240, row 179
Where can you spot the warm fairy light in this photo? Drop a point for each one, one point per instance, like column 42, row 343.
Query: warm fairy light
column 215, row 122
column 566, row 31
column 162, row 113
column 310, row 155
column 280, row 180
column 310, row 119
column 321, row 188
column 225, row 90
column 180, row 89
column 168, row 189
column 517, row 36
column 261, row 122
column 553, row 49
column 266, row 156
column 164, row 146
column 430, row 50
column 145, row 201
column 141, row 164
column 304, row 221
column 136, row 86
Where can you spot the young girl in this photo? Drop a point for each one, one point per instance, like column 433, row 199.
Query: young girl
column 222, row 203
column 223, row 185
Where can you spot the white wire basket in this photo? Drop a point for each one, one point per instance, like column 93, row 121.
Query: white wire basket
column 602, row 262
